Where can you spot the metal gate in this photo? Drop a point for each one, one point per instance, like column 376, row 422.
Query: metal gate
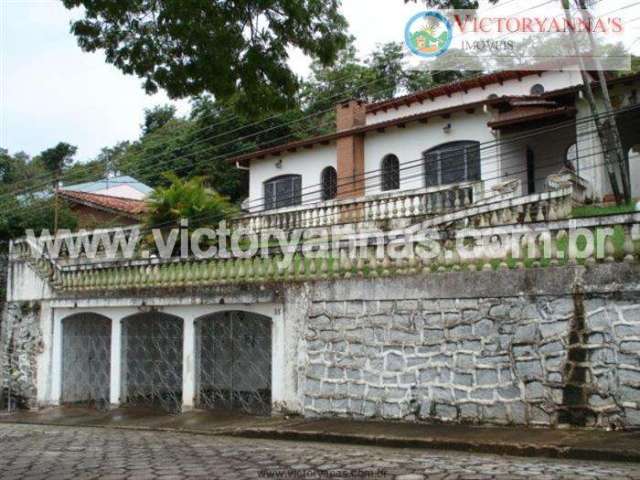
column 234, row 359
column 86, row 359
column 152, row 360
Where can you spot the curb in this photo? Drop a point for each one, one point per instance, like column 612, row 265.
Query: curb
column 512, row 449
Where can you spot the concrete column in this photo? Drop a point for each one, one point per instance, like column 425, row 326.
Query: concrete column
column 115, row 389
column 188, row 364
column 56, row 359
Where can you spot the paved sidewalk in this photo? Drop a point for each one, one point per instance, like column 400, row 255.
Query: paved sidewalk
column 553, row 443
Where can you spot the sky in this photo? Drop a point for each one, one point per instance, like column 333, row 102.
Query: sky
column 51, row 91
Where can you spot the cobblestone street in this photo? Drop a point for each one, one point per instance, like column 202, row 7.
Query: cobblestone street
column 42, row 452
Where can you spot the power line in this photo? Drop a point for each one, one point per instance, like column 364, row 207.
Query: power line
column 483, row 146
column 485, row 179
column 249, row 136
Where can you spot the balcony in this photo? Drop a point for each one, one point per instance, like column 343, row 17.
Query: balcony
column 395, row 209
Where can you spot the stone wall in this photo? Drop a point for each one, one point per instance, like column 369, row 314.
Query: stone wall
column 439, row 352
column 612, row 343
column 20, row 343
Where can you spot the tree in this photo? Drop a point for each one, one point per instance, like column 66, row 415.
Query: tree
column 12, row 167
column 454, row 65
column 188, row 200
column 201, row 144
column 202, row 46
column 55, row 160
column 608, row 132
column 383, row 75
column 157, row 117
column 32, row 212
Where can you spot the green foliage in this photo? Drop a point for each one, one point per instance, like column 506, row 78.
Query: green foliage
column 186, row 199
column 597, row 210
column 55, row 159
column 31, row 212
column 12, row 167
column 223, row 48
column 20, row 211
column 157, row 117
column 380, row 77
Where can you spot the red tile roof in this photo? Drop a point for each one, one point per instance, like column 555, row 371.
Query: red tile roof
column 525, row 114
column 451, row 88
column 127, row 206
column 491, row 78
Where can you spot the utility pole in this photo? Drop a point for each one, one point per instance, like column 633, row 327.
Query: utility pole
column 611, row 125
column 56, row 203
column 591, row 100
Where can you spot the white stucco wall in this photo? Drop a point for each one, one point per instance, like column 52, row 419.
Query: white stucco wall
column 549, row 151
column 306, row 162
column 284, row 343
column 122, row 191
column 550, row 81
column 409, row 143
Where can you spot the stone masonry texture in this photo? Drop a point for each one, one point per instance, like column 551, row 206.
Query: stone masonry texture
column 539, row 347
column 526, row 359
column 20, row 343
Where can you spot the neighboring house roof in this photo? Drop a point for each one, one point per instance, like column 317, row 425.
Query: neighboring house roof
column 109, row 183
column 122, row 206
column 423, row 116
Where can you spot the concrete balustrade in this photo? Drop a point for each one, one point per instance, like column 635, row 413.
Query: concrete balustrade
column 510, row 245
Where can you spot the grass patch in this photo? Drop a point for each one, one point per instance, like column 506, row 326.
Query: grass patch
column 595, row 210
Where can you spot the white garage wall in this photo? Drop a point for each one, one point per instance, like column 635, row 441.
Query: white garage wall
column 550, row 81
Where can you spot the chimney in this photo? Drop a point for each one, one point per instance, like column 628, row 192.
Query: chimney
column 350, row 149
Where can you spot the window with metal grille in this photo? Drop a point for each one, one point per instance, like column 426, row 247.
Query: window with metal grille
column 537, row 89
column 452, row 162
column 283, row 191
column 329, row 180
column 390, row 171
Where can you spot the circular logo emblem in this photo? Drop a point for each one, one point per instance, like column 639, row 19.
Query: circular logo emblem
column 428, row 34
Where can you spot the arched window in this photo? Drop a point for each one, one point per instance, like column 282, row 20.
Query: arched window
column 452, row 162
column 329, row 181
column 282, row 191
column 390, row 171
column 537, row 89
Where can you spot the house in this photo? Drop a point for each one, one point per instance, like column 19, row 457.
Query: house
column 122, row 186
column 537, row 336
column 94, row 210
column 512, row 129
column 109, row 202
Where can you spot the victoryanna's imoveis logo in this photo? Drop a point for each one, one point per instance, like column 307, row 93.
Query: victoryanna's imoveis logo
column 428, row 34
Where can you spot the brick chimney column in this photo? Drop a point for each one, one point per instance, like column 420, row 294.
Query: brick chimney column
column 350, row 149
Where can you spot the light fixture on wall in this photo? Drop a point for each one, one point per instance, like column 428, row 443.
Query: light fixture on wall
column 447, row 128
column 279, row 163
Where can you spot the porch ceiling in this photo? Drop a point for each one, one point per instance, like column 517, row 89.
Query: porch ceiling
column 527, row 114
